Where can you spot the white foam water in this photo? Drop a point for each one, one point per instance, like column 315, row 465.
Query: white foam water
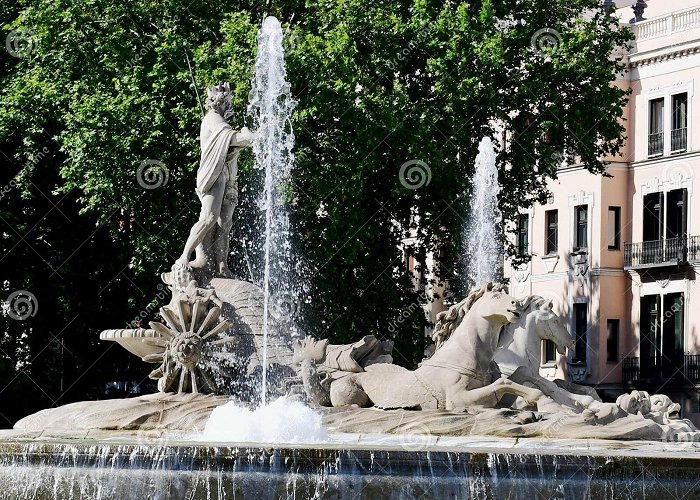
column 281, row 421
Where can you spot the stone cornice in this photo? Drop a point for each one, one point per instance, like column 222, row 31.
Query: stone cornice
column 663, row 54
column 660, row 160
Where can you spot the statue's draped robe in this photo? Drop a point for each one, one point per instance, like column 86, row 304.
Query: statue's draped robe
column 214, row 149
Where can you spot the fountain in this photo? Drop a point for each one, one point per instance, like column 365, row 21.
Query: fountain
column 345, row 420
column 481, row 237
column 270, row 106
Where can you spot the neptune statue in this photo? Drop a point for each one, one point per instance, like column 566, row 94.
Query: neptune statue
column 217, row 185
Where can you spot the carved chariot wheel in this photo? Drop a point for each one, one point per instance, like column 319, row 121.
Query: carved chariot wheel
column 185, row 344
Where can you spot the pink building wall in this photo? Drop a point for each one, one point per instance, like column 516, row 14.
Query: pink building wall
column 664, row 61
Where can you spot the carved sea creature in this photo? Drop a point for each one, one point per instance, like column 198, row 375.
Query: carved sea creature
column 456, row 377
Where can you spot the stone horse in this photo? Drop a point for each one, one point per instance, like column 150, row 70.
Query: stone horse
column 457, row 376
column 519, row 352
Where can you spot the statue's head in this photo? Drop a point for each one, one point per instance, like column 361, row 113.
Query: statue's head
column 496, row 305
column 219, row 99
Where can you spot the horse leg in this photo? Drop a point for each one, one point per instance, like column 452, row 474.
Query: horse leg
column 530, row 394
column 490, row 395
column 346, row 391
column 578, row 403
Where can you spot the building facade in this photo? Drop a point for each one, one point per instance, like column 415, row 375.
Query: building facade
column 619, row 254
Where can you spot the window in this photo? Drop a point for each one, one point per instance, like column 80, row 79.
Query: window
column 661, row 327
column 665, row 228
column 614, row 228
column 613, row 339
column 409, row 262
column 552, row 221
column 672, row 328
column 679, row 123
column 523, row 222
column 695, row 403
column 652, row 220
column 550, row 351
column 649, row 329
column 580, row 331
column 676, row 213
column 656, row 126
column 581, row 239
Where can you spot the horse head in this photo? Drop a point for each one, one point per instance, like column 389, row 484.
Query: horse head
column 547, row 323
column 489, row 302
column 495, row 305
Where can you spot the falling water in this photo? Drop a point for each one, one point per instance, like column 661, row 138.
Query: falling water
column 156, row 468
column 482, row 238
column 270, row 107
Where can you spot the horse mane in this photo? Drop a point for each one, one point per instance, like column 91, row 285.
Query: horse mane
column 448, row 321
column 531, row 300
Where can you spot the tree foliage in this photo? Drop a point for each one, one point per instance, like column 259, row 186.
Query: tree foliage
column 106, row 86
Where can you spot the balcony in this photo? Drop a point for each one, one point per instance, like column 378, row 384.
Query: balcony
column 669, row 24
column 656, row 144
column 658, row 253
column 682, row 370
column 679, row 140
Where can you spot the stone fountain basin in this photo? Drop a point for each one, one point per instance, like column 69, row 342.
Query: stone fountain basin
column 112, row 464
column 132, row 340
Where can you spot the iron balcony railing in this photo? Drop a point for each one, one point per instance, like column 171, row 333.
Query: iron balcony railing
column 656, row 144
column 669, row 251
column 656, row 369
column 693, row 252
column 679, row 140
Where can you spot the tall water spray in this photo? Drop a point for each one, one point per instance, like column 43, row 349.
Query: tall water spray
column 482, row 237
column 270, row 107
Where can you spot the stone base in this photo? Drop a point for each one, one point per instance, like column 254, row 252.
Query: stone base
column 487, row 422
column 126, row 465
column 183, row 412
column 190, row 412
